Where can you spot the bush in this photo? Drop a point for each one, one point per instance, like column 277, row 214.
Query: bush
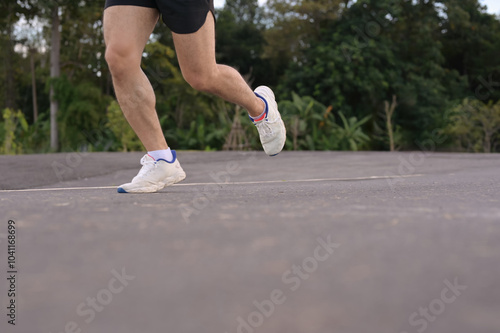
column 311, row 126
column 11, row 130
column 475, row 126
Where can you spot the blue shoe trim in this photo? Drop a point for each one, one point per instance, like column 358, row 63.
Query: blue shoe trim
column 274, row 155
column 174, row 154
column 267, row 107
column 121, row 190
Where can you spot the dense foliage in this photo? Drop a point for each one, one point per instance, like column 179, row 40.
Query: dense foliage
column 350, row 75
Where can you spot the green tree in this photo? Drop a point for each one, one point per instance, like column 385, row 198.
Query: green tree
column 376, row 50
column 10, row 13
column 293, row 26
column 54, row 13
column 471, row 43
column 351, row 56
column 240, row 40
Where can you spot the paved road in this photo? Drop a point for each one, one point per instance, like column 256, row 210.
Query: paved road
column 323, row 242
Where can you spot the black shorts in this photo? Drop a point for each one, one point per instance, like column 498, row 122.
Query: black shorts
column 181, row 16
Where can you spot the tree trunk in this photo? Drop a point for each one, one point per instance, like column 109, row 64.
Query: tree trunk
column 33, row 84
column 389, row 111
column 55, row 70
column 10, row 93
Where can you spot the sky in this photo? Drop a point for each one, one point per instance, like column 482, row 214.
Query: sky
column 220, row 3
column 493, row 5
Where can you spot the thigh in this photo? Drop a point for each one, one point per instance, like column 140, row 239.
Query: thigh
column 196, row 51
column 127, row 28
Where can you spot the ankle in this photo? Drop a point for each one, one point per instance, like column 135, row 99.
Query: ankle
column 163, row 154
column 259, row 109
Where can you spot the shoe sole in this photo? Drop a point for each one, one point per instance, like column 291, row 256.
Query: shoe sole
column 152, row 189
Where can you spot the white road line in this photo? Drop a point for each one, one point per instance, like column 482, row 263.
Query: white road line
column 232, row 183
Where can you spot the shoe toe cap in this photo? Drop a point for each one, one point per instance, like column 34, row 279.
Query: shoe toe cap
column 121, row 190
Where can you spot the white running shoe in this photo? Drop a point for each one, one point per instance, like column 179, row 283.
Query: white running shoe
column 154, row 175
column 271, row 128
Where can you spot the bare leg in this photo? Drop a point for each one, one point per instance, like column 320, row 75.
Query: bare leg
column 126, row 32
column 196, row 55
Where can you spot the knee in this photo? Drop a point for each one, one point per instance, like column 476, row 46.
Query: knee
column 120, row 62
column 200, row 81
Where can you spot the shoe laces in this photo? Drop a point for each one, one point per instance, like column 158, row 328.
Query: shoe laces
column 265, row 128
column 147, row 166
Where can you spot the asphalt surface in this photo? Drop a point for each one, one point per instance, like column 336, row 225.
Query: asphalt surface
column 305, row 242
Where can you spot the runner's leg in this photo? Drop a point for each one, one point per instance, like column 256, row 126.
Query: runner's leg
column 126, row 32
column 196, row 55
